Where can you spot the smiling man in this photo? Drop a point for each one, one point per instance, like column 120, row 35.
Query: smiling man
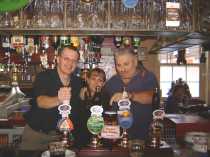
column 50, row 89
column 139, row 83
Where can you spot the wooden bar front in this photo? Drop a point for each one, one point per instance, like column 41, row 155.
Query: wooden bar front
column 183, row 123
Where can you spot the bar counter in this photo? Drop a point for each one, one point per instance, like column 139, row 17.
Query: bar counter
column 176, row 126
column 177, row 151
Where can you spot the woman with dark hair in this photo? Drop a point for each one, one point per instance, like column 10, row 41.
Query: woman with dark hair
column 91, row 95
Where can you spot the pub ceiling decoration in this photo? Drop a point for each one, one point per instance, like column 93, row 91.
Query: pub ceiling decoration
column 144, row 18
column 12, row 5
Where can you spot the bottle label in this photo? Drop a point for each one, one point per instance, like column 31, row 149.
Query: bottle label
column 111, row 132
column 5, row 44
column 17, row 41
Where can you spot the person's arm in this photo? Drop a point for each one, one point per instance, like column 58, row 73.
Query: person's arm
column 143, row 97
column 46, row 102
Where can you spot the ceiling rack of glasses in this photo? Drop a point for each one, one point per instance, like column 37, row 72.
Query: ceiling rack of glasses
column 99, row 17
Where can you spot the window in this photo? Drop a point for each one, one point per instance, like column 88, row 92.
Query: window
column 189, row 73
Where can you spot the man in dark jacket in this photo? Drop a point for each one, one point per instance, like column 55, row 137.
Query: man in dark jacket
column 50, row 89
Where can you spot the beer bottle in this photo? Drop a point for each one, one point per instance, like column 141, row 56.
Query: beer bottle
column 97, row 97
column 156, row 99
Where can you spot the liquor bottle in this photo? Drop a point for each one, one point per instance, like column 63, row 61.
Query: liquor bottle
column 55, row 42
column 6, row 43
column 156, row 99
column 136, row 41
column 118, row 41
column 64, row 41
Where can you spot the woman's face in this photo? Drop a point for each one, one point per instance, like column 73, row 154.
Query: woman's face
column 126, row 65
column 95, row 80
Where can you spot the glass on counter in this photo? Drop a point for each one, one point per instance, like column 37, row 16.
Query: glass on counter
column 57, row 149
column 111, row 131
column 136, row 147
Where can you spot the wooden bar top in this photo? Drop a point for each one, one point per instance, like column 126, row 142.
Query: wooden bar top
column 180, row 152
column 104, row 152
column 186, row 119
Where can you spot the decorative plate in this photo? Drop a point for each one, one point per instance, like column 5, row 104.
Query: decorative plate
column 12, row 5
column 130, row 3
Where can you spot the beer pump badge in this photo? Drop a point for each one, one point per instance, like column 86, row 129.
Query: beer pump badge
column 96, row 110
column 158, row 114
column 124, row 104
column 65, row 124
column 96, row 122
column 64, row 110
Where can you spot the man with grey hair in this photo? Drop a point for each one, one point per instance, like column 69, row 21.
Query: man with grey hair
column 139, row 84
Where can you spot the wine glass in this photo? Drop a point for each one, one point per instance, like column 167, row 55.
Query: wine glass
column 125, row 120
